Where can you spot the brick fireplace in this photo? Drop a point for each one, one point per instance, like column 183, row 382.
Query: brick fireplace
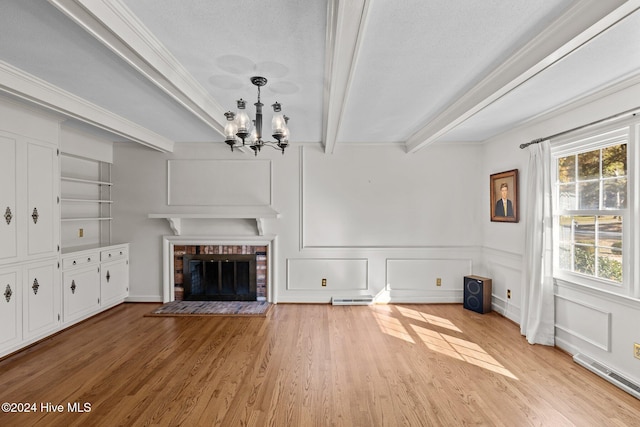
column 200, row 251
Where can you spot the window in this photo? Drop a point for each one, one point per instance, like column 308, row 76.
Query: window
column 591, row 207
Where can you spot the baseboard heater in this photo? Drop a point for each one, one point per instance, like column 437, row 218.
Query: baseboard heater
column 359, row 300
column 608, row 374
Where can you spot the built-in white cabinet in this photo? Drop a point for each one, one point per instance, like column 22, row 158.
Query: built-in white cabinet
column 30, row 293
column 8, row 198
column 57, row 263
column 10, row 307
column 94, row 280
column 114, row 277
column 30, row 303
column 80, row 285
column 28, row 198
column 41, row 299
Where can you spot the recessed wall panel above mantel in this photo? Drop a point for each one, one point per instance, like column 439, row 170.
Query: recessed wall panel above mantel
column 219, row 182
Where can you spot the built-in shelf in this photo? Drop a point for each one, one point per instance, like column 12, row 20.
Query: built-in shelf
column 86, row 201
column 87, row 219
column 257, row 213
column 86, row 181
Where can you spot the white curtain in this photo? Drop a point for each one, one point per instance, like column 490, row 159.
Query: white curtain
column 538, row 313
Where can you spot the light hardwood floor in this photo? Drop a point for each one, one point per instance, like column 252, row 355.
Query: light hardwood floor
column 307, row 365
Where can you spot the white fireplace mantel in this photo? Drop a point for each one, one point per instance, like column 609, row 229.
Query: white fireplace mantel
column 168, row 243
column 257, row 213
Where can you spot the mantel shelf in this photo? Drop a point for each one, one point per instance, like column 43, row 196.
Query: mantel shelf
column 259, row 214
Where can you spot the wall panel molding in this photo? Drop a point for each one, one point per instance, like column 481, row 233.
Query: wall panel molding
column 340, row 274
column 415, row 279
column 584, row 321
column 232, row 182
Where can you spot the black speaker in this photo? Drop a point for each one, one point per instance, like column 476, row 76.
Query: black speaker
column 477, row 294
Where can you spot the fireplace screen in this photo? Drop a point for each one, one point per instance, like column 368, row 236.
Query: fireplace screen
column 219, row 277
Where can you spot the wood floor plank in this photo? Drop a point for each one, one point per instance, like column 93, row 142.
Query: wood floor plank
column 307, row 365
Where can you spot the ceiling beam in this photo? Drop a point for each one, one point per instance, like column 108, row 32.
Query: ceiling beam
column 345, row 28
column 579, row 24
column 30, row 88
column 114, row 25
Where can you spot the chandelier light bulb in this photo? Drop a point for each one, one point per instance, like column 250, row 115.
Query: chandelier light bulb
column 243, row 122
column 230, row 129
column 278, row 126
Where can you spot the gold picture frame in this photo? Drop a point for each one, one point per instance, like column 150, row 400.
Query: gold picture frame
column 503, row 192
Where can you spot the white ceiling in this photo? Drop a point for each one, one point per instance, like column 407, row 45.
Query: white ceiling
column 408, row 72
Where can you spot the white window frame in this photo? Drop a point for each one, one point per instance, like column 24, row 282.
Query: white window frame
column 593, row 139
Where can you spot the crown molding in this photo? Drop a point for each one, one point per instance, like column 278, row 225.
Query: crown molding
column 30, row 88
column 582, row 22
column 114, row 25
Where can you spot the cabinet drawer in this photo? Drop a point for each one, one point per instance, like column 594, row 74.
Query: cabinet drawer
column 113, row 254
column 80, row 260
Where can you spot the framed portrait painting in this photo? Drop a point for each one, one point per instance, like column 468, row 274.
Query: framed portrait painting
column 503, row 191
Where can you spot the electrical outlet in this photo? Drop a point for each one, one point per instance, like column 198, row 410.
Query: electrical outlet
column 636, row 350
column 324, row 282
column 81, row 232
column 438, row 282
column 508, row 293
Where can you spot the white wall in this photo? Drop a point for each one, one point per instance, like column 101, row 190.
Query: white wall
column 591, row 322
column 373, row 205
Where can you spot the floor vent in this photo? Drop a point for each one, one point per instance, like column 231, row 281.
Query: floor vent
column 609, row 375
column 359, row 300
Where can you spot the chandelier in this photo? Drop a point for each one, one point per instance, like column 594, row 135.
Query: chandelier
column 239, row 125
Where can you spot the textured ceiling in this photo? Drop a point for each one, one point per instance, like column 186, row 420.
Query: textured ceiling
column 359, row 71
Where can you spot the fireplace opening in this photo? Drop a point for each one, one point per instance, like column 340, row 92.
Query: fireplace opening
column 220, row 272
column 219, row 277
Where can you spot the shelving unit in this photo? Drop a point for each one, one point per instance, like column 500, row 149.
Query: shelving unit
column 85, row 202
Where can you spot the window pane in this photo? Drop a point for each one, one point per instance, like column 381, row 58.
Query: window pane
column 585, row 260
column 585, row 230
column 588, row 195
column 615, row 194
column 567, row 169
column 614, row 161
column 565, row 228
column 610, row 264
column 610, row 232
column 567, row 196
column 589, row 165
column 565, row 257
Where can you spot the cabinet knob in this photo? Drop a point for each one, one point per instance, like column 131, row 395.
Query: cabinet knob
column 35, row 215
column 74, row 262
column 89, row 259
column 108, row 276
column 35, row 286
column 73, row 286
column 7, row 215
column 8, row 293
column 109, row 255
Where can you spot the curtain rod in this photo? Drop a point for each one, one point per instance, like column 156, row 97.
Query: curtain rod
column 632, row 112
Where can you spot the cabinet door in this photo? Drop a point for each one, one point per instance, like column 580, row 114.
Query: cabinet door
column 114, row 283
column 81, row 289
column 41, row 302
column 8, row 211
column 10, row 325
column 42, row 199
